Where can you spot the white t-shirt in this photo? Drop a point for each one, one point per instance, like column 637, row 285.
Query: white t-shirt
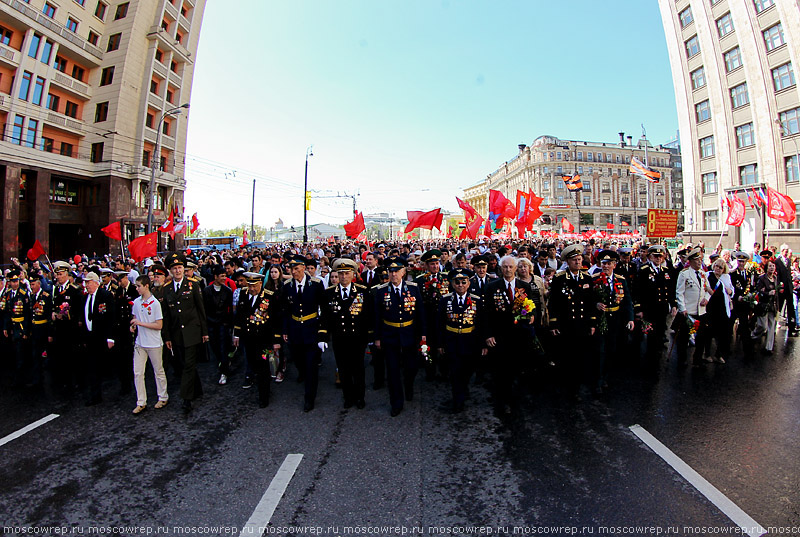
column 147, row 312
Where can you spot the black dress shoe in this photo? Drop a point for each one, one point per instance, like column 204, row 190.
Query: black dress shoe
column 308, row 407
column 395, row 412
column 360, row 404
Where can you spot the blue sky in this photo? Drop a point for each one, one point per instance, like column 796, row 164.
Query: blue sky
column 406, row 102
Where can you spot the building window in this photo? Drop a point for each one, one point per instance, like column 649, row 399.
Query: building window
column 5, row 35
column 179, row 37
column 165, row 25
column 38, row 91
column 78, row 73
column 748, row 175
column 149, row 120
column 165, row 128
column 761, row 5
column 707, row 147
column 580, row 155
column 97, row 152
column 171, row 100
column 589, row 156
column 783, row 76
column 71, row 109
column 733, row 59
column 47, row 144
column 686, row 17
column 702, row 111
column 560, row 198
column 792, row 169
column 725, row 25
column 159, row 56
column 605, row 188
column 789, row 122
column 30, row 140
column 107, row 76
column 52, row 102
column 16, row 133
column 66, row 149
column 146, row 159
column 113, row 42
column 773, row 37
column 624, row 188
column 154, row 87
column 745, row 136
column 587, row 200
column 587, row 184
column 122, row 11
column 49, row 9
column 47, row 52
column 72, row 25
column 692, row 46
column 25, row 86
column 100, row 10
column 710, row 220
column 101, row 112
column 606, row 202
column 625, row 202
column 80, row 2
column 709, row 183
column 698, row 78
column 739, row 96
column 93, row 38
column 546, row 184
column 33, row 50
column 559, row 185
column 60, row 64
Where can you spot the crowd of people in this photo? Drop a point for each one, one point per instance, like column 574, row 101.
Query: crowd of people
column 496, row 310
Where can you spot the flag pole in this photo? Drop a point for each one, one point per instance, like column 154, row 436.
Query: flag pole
column 49, row 263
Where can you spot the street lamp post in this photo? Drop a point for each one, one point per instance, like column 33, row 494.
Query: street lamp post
column 154, row 163
column 309, row 153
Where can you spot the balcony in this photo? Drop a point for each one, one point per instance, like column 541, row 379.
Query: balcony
column 169, row 41
column 183, row 21
column 175, row 78
column 79, row 89
column 159, row 69
column 60, row 120
column 9, row 56
column 171, row 10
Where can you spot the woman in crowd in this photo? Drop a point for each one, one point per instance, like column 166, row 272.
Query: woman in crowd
column 767, row 288
column 719, row 310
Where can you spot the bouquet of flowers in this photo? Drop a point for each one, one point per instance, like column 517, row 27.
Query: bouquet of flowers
column 694, row 325
column 423, row 350
column 63, row 309
column 523, row 308
column 647, row 327
column 751, row 299
column 272, row 359
column 605, row 297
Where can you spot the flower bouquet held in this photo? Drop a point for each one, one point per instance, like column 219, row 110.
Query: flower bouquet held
column 523, row 308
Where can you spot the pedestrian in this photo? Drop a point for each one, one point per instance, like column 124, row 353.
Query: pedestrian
column 691, row 299
column 67, row 322
column 98, row 333
column 146, row 323
column 655, row 300
column 767, row 290
column 720, row 309
column 433, row 285
column 41, row 328
column 743, row 280
column 218, row 303
column 17, row 324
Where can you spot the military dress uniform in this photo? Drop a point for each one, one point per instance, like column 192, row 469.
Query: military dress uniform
column 67, row 321
column 347, row 322
column 399, row 326
column 257, row 326
column 41, row 331
column 301, row 330
column 744, row 283
column 690, row 291
column 460, row 336
column 432, row 286
column 655, row 297
column 97, row 313
column 17, row 325
column 573, row 312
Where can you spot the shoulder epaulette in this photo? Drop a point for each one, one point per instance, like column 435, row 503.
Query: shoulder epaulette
column 381, row 286
column 359, row 286
column 412, row 283
column 474, row 296
column 331, row 287
column 22, row 291
column 447, row 295
column 267, row 292
column 45, row 293
column 287, row 282
column 617, row 276
column 560, row 274
column 315, row 279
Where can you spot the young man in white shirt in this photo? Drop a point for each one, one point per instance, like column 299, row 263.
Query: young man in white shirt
column 147, row 323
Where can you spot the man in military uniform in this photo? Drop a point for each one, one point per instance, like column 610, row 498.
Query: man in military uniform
column 347, row 323
column 97, row 314
column 399, row 331
column 573, row 317
column 41, row 326
column 302, row 298
column 481, row 278
column 459, row 316
column 744, row 282
column 690, row 298
column 655, row 299
column 257, row 326
column 193, row 276
column 509, row 339
column 184, row 327
column 615, row 314
column 17, row 324
column 107, row 276
column 218, row 301
column 67, row 319
column 432, row 284
column 158, row 275
column 378, row 361
column 626, row 268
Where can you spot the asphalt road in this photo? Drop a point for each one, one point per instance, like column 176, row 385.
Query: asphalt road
column 553, row 465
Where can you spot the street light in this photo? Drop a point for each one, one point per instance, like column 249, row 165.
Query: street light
column 309, row 153
column 154, row 161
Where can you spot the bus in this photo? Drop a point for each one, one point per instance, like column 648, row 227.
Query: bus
column 212, row 243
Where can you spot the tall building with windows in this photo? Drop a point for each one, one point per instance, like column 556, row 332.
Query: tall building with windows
column 738, row 106
column 84, row 85
column 612, row 198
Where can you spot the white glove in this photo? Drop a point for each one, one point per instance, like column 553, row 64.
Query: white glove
column 322, row 346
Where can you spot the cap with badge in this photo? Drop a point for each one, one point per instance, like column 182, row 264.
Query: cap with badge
column 253, row 277
column 766, row 253
column 13, row 275
column 35, row 277
column 459, row 274
column 174, row 259
column 624, row 251
column 682, row 253
column 106, row 272
column 479, row 260
column 695, row 253
column 297, row 260
column 191, row 264
column 344, row 264
column 59, row 266
column 743, row 256
column 656, row 249
column 431, row 255
column 395, row 263
column 157, row 268
column 607, row 256
column 121, row 274
column 571, row 251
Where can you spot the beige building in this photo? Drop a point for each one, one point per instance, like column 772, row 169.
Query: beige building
column 83, row 87
column 611, row 195
column 738, row 109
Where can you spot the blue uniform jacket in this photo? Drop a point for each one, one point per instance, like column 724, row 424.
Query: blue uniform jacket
column 301, row 313
column 399, row 322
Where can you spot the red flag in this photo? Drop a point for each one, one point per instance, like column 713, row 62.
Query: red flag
column 468, row 209
column 182, row 227
column 169, row 225
column 759, row 202
column 534, row 212
column 609, row 225
column 567, row 226
column 736, row 214
column 500, row 208
column 425, row 220
column 195, row 224
column 354, row 228
column 463, row 234
column 625, row 223
column 113, row 231
column 144, row 246
column 473, row 219
column 245, row 242
column 37, row 251
column 780, row 206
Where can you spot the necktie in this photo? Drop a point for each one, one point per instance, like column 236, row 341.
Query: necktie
column 397, row 293
column 369, row 277
column 510, row 292
column 460, row 301
column 699, row 279
column 344, row 293
column 253, row 300
column 299, row 289
column 91, row 307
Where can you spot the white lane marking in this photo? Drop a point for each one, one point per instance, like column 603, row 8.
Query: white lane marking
column 723, row 503
column 269, row 501
column 27, row 429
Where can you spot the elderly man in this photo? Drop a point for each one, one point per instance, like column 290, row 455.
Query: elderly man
column 744, row 283
column 508, row 338
column 655, row 299
column 98, row 325
column 432, row 284
column 691, row 298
